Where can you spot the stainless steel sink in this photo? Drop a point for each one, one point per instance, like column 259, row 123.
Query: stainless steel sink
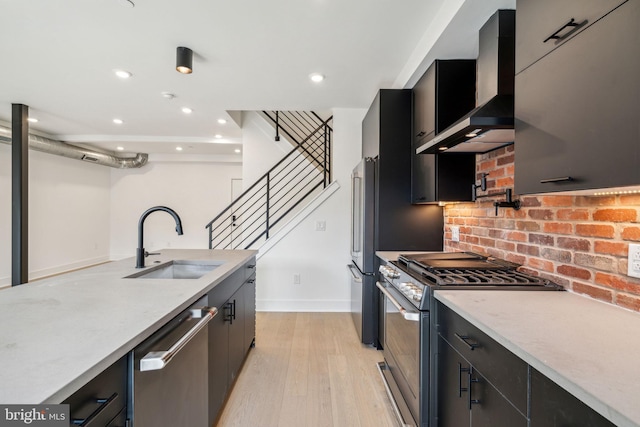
column 177, row 269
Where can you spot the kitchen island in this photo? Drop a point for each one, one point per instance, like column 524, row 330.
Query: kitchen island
column 58, row 333
column 585, row 346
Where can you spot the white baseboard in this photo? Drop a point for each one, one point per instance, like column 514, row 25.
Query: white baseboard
column 340, row 306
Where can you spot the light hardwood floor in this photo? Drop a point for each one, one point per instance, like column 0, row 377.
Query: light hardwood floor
column 308, row 369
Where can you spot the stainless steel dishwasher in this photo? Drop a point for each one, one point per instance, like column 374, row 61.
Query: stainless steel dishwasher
column 169, row 386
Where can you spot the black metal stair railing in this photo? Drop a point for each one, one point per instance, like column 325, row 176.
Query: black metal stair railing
column 252, row 217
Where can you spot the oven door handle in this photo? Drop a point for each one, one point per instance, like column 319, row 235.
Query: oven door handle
column 413, row 316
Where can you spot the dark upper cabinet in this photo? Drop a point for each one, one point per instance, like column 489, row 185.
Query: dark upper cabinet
column 443, row 94
column 576, row 108
column 543, row 25
column 386, row 135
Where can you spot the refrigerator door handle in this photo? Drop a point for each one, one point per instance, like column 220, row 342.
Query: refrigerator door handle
column 357, row 277
column 356, row 214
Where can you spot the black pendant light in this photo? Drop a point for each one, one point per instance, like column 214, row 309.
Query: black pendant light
column 184, row 60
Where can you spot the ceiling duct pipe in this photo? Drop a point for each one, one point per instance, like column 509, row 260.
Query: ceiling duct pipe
column 51, row 146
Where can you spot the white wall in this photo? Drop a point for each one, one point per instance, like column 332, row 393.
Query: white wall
column 197, row 191
column 259, row 150
column 319, row 257
column 68, row 214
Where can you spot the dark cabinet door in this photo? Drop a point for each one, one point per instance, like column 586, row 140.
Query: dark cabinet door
column 453, row 387
column 543, row 25
column 552, row 406
column 249, row 312
column 577, row 110
column 218, row 363
column 236, row 321
column 103, row 400
column 442, row 178
column 424, row 107
column 489, row 407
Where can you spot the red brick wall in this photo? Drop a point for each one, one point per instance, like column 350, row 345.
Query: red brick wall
column 579, row 242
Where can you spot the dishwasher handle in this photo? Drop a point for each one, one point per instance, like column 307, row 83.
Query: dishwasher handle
column 156, row 360
column 408, row 315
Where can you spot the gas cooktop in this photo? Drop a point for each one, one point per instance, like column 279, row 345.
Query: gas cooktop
column 467, row 269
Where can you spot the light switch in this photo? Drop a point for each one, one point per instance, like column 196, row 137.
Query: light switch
column 321, row 226
column 633, row 269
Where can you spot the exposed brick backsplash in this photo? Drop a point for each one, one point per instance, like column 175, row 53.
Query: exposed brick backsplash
column 578, row 242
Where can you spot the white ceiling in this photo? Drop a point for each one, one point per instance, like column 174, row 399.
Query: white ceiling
column 58, row 58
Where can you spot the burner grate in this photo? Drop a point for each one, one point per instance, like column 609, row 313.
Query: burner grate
column 480, row 277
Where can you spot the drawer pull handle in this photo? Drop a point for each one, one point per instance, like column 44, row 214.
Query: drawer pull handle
column 471, row 381
column 104, row 403
column 464, row 339
column 559, row 179
column 156, row 360
column 251, row 266
column 571, row 24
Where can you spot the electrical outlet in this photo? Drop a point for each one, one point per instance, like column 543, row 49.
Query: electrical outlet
column 455, row 233
column 321, row 226
column 633, row 259
column 296, row 279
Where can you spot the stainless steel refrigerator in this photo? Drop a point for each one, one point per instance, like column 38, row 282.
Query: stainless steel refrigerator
column 388, row 226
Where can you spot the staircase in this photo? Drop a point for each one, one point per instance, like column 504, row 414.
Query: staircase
column 286, row 188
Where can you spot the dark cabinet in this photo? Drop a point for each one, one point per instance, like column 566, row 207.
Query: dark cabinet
column 576, row 117
column 442, row 178
column 102, row 401
column 386, row 135
column 231, row 333
column 544, row 25
column 480, row 382
column 553, row 406
column 444, row 94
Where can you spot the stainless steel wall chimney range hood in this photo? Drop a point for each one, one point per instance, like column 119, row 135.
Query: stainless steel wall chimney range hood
column 490, row 124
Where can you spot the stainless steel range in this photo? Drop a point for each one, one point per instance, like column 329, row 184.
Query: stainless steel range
column 409, row 339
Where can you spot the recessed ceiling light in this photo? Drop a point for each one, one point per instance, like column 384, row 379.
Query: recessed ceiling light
column 178, row 148
column 120, row 148
column 237, row 150
column 167, row 95
column 126, row 3
column 187, row 110
column 123, row 74
column 32, row 120
column 222, row 121
column 118, row 121
column 316, row 77
column 218, row 136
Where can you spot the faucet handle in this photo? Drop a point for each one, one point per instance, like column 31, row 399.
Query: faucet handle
column 146, row 254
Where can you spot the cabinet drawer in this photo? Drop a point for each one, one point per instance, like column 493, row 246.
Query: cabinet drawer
column 543, row 25
column 504, row 370
column 103, row 398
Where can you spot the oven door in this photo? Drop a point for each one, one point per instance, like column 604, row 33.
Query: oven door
column 402, row 350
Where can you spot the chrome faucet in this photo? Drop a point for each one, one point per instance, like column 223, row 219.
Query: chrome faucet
column 141, row 254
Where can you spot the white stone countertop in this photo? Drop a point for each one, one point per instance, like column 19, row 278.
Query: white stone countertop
column 588, row 347
column 56, row 334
